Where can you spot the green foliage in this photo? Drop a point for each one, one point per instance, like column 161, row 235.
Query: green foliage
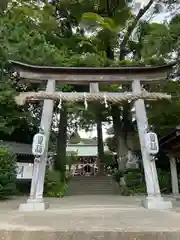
column 133, row 171
column 53, row 34
column 7, row 173
column 140, row 189
column 11, row 116
column 165, row 115
column 118, row 175
column 24, row 39
column 159, row 44
column 111, row 142
column 53, row 186
column 134, row 177
column 75, row 138
column 108, row 158
column 98, row 21
column 3, row 5
column 71, row 159
column 164, row 181
column 23, row 188
column 157, row 41
column 135, row 182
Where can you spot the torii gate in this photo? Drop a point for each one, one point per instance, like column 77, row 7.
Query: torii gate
column 117, row 75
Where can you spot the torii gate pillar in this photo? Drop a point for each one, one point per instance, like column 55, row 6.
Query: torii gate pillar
column 36, row 200
column 153, row 199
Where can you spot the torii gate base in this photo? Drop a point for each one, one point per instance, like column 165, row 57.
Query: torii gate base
column 156, row 203
column 132, row 75
column 33, row 206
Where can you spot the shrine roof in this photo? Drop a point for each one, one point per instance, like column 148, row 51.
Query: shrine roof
column 171, row 142
column 91, row 70
column 17, row 148
column 26, row 149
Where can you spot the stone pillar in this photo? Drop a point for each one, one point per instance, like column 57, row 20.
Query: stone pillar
column 36, row 201
column 153, row 199
column 174, row 176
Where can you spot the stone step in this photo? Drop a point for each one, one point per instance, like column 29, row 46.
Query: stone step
column 98, row 192
column 95, row 185
column 92, row 185
column 91, row 193
column 105, row 180
column 92, row 181
column 92, row 189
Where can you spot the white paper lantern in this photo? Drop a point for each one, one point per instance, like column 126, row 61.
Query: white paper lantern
column 38, row 145
column 152, row 144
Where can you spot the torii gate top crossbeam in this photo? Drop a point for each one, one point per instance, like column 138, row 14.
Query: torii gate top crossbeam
column 84, row 75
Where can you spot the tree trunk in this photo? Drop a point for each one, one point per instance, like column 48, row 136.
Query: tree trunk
column 121, row 146
column 60, row 163
column 131, row 28
column 3, row 5
column 94, row 88
column 100, row 146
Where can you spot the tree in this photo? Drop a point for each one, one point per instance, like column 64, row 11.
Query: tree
column 164, row 46
column 3, row 5
column 7, row 173
column 75, row 138
column 72, row 159
column 107, row 25
column 57, row 34
column 23, row 39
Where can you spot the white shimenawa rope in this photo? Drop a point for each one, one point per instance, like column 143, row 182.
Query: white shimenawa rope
column 60, row 101
column 85, row 101
column 105, row 101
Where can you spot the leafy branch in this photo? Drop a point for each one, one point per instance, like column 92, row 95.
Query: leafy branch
column 132, row 27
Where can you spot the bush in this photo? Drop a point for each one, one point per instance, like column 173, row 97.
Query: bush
column 135, row 183
column 131, row 175
column 133, row 170
column 53, row 187
column 7, row 173
column 23, row 187
column 164, row 181
column 118, row 175
column 108, row 159
column 134, row 178
column 138, row 190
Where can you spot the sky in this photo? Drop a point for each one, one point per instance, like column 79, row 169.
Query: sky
column 159, row 18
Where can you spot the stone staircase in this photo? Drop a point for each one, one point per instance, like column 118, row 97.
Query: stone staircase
column 94, row 185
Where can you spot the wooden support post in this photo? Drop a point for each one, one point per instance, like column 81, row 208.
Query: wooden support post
column 36, row 201
column 154, row 199
column 174, row 176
